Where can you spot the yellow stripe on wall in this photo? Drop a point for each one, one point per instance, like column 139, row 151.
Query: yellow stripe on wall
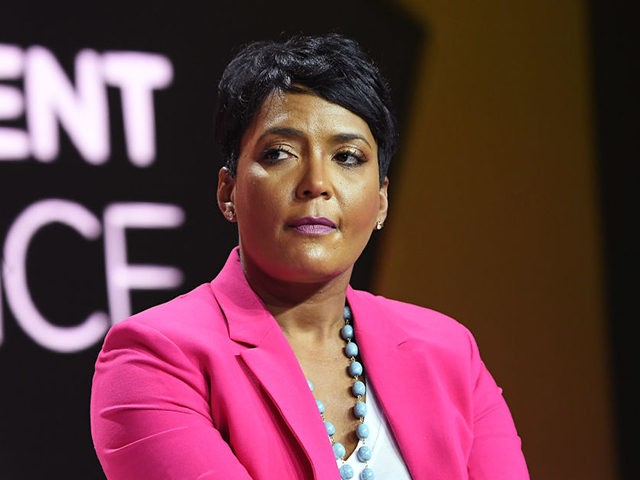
column 494, row 216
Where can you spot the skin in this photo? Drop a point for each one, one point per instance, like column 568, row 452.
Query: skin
column 304, row 157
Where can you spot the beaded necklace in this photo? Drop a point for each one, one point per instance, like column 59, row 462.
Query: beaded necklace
column 358, row 390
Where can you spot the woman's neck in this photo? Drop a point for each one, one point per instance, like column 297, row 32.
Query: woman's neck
column 307, row 312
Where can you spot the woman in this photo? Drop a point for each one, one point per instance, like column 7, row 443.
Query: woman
column 278, row 369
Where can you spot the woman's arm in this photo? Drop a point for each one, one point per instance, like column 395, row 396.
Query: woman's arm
column 150, row 413
column 496, row 452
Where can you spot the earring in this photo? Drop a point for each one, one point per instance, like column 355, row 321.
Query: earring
column 379, row 225
column 229, row 212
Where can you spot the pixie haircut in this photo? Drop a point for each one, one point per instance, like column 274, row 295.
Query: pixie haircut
column 331, row 66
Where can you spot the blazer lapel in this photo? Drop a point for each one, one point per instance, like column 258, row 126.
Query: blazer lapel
column 394, row 365
column 275, row 366
column 272, row 361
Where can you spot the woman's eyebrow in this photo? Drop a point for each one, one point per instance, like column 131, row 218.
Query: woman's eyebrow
column 294, row 132
column 345, row 137
column 283, row 131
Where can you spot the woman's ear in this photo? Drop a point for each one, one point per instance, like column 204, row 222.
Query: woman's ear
column 384, row 204
column 226, row 194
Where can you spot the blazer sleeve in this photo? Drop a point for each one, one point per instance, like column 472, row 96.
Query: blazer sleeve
column 496, row 452
column 150, row 411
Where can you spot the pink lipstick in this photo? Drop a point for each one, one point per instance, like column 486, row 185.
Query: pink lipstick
column 313, row 226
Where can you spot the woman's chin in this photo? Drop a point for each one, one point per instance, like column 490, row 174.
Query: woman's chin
column 316, row 267
column 313, row 269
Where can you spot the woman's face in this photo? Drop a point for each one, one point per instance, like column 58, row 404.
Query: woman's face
column 306, row 192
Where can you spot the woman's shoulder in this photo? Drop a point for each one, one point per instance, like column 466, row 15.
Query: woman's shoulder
column 423, row 330
column 408, row 315
column 192, row 317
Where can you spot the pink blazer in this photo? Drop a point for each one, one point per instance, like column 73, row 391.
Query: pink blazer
column 206, row 387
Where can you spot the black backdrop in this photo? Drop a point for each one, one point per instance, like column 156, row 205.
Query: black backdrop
column 615, row 41
column 48, row 196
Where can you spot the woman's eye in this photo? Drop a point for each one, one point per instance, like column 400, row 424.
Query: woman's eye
column 350, row 158
column 273, row 155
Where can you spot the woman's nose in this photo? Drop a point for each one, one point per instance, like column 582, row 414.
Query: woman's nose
column 314, row 181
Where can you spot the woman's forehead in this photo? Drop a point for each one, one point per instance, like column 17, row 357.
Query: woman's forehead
column 309, row 114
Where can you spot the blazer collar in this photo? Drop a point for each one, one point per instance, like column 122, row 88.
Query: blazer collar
column 248, row 320
column 272, row 361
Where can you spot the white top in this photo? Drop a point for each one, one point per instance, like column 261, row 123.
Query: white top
column 386, row 461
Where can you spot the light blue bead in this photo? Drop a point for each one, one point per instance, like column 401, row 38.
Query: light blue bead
column 347, row 313
column 320, row 406
column 355, row 368
column 360, row 409
column 310, row 384
column 367, row 474
column 346, row 471
column 351, row 349
column 364, row 453
column 362, row 431
column 346, row 332
column 339, row 450
column 358, row 388
column 329, row 427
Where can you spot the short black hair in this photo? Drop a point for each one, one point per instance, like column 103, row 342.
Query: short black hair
column 332, row 66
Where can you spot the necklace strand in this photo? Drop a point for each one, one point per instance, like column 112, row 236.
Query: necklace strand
column 358, row 389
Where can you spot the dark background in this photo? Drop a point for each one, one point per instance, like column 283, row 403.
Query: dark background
column 616, row 70
column 44, row 397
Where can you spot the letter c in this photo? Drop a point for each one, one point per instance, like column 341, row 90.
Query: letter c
column 62, row 339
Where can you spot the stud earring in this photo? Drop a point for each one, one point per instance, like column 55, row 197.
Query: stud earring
column 229, row 212
column 379, row 225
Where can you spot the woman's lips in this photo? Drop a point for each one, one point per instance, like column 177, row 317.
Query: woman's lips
column 313, row 226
